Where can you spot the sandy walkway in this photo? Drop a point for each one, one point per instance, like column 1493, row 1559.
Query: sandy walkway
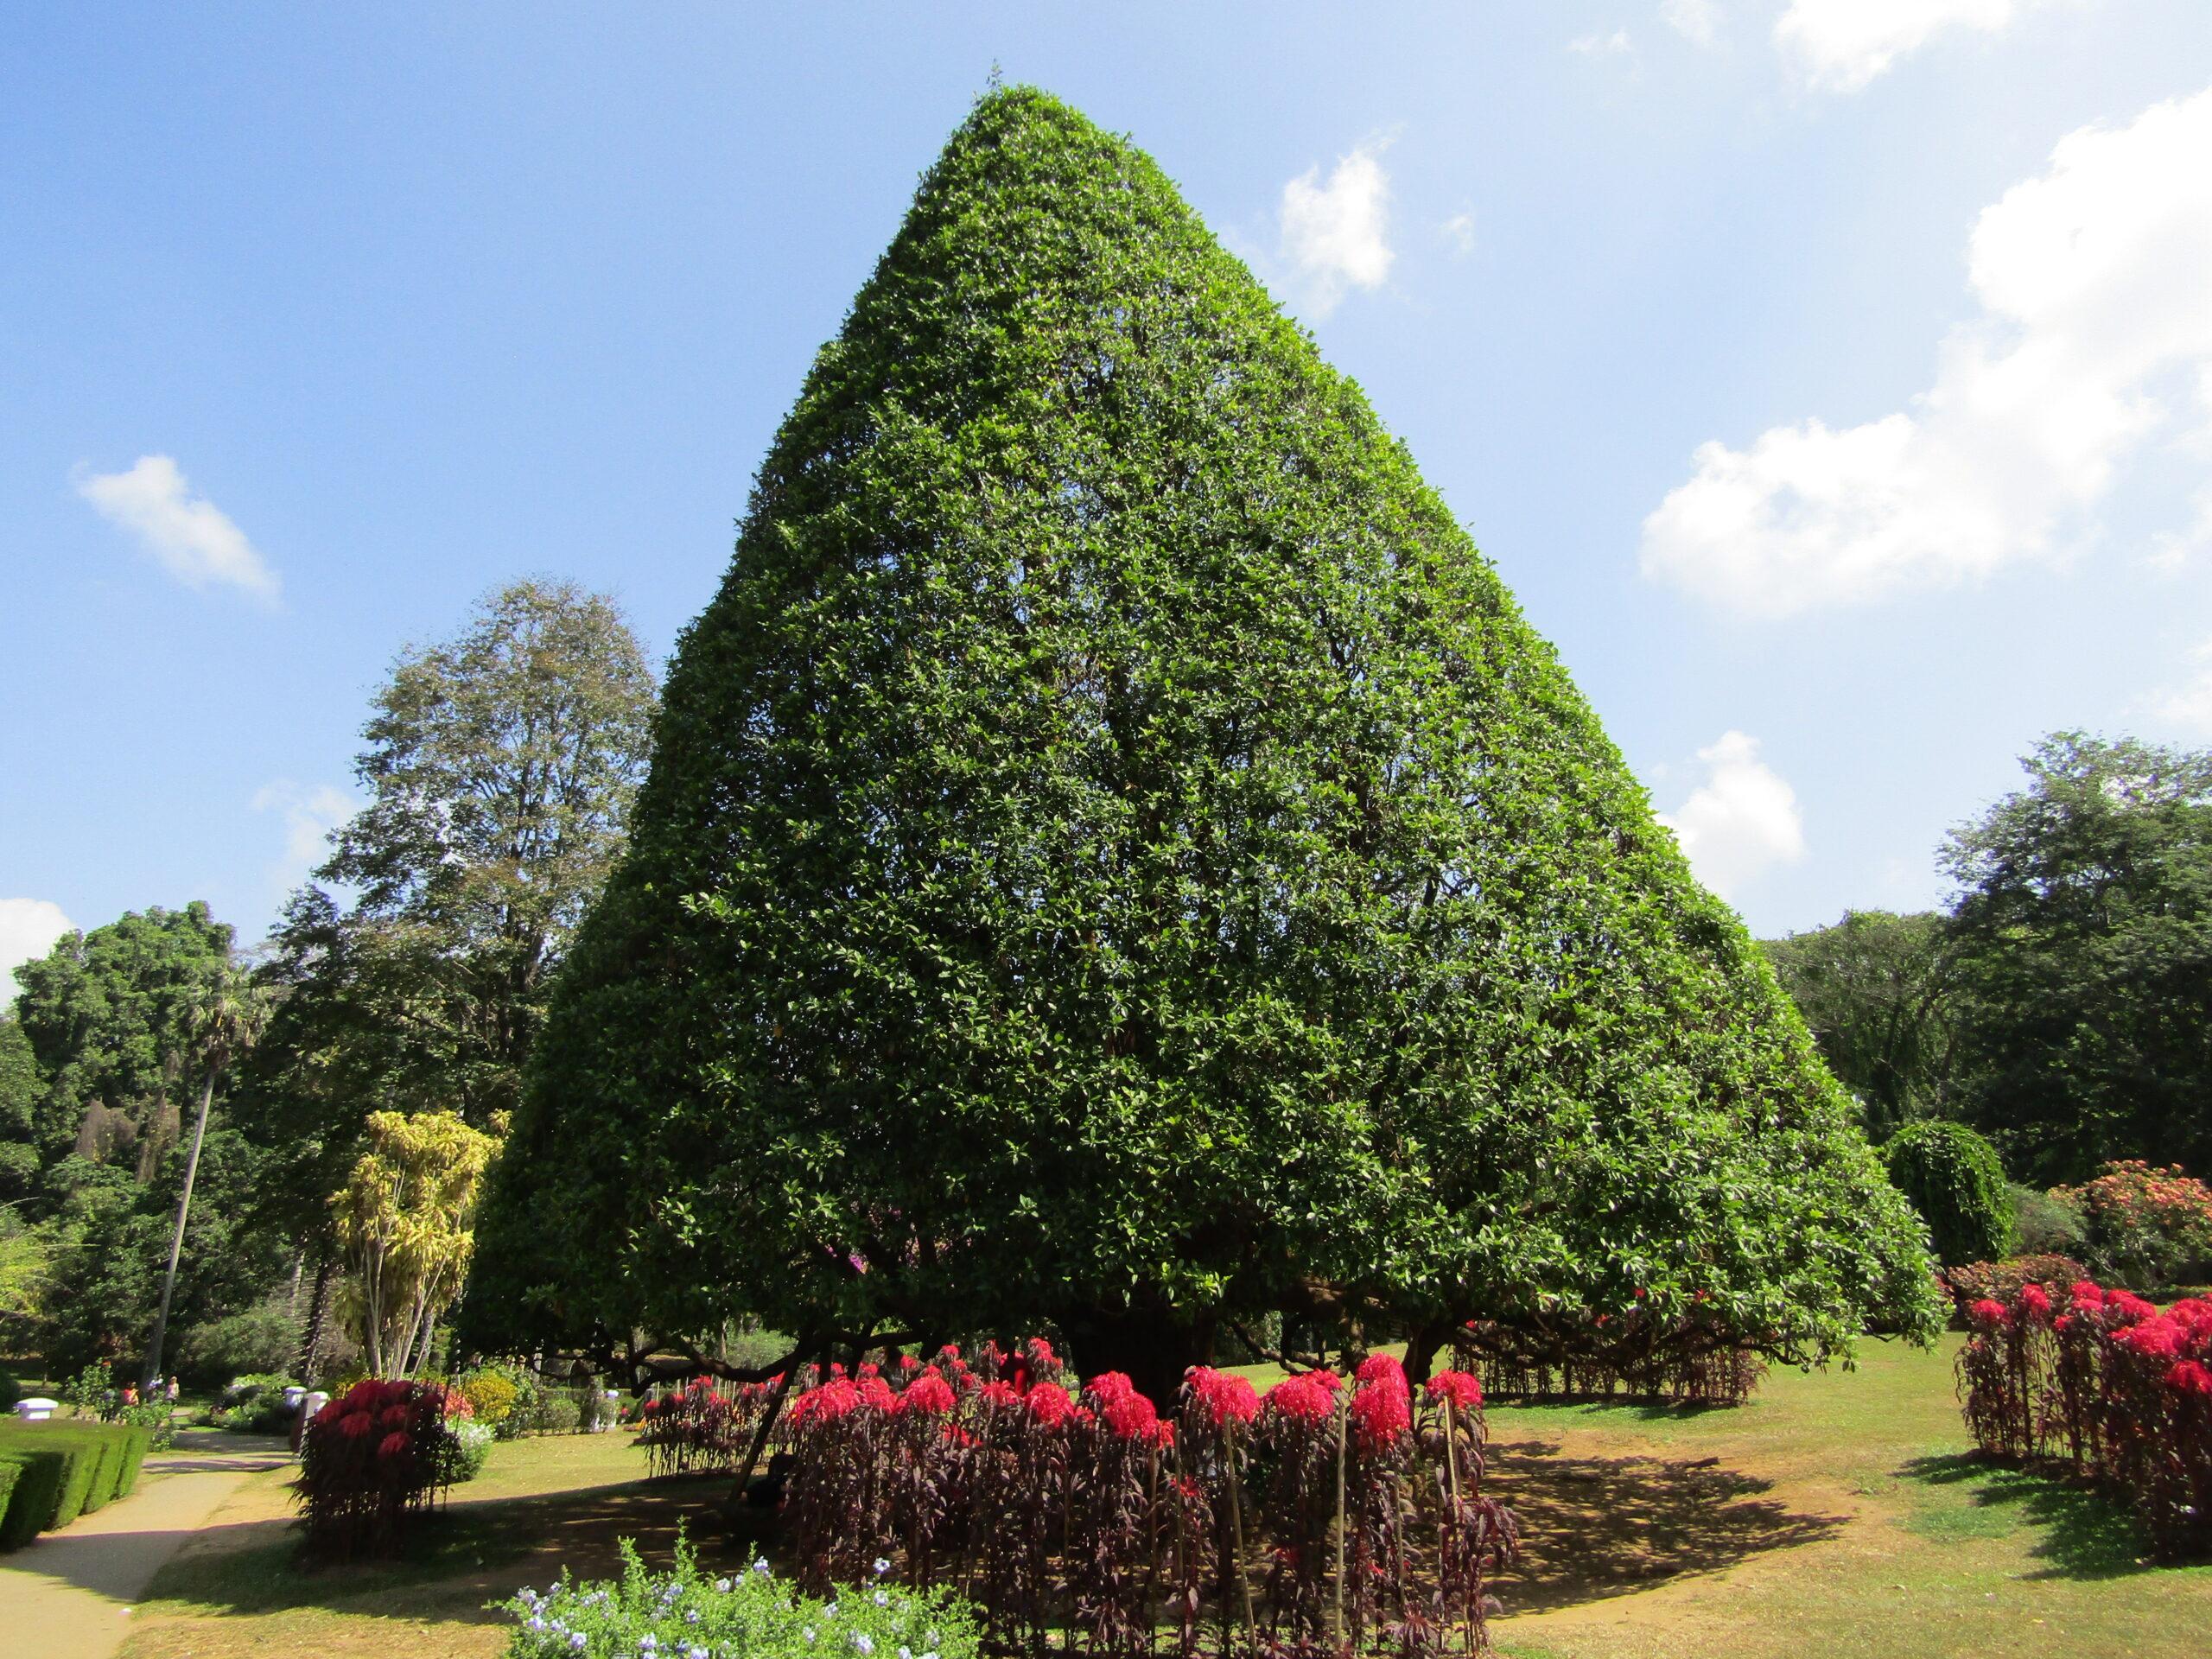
column 68, row 1596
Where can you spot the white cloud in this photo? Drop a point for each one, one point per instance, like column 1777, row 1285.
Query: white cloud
column 1460, row 231
column 1741, row 821
column 1592, row 46
column 1338, row 234
column 2190, row 705
column 1839, row 46
column 2091, row 280
column 194, row 539
column 29, row 928
column 310, row 817
column 1697, row 21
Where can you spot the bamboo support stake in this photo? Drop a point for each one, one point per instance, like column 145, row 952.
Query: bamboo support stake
column 1236, row 1530
column 1343, row 1412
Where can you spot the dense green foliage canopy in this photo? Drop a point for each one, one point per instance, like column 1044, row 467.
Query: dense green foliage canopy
column 1115, row 853
column 95, row 1069
column 2083, row 931
column 1879, row 992
column 500, row 766
column 1953, row 1178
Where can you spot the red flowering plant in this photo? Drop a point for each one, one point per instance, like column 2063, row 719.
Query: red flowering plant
column 1302, row 1428
column 703, row 1425
column 1114, row 1511
column 2119, row 1387
column 1217, row 1531
column 372, row 1461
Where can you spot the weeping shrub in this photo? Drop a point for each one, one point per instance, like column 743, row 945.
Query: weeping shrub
column 1953, row 1178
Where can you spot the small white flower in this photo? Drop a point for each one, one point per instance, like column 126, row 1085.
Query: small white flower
column 722, row 1585
column 808, row 1632
column 578, row 1641
column 882, row 1567
column 880, row 1600
column 830, row 1611
column 691, row 1615
column 761, row 1568
column 906, row 1653
column 863, row 1643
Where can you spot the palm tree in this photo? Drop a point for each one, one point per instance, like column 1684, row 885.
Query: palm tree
column 224, row 1016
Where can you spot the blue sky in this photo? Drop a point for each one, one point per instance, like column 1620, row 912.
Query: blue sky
column 1832, row 379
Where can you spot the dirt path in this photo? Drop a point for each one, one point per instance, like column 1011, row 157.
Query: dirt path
column 69, row 1595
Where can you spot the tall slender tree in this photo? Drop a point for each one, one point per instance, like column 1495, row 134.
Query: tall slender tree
column 1115, row 855
column 499, row 769
column 223, row 1016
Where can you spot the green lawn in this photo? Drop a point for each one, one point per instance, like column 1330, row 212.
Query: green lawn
column 1840, row 1515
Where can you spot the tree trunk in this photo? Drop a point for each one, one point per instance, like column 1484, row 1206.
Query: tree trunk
column 153, row 1370
column 318, row 1307
column 1151, row 1347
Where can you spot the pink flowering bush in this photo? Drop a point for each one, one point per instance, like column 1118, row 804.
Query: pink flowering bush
column 2118, row 1388
column 2143, row 1224
column 1330, row 1514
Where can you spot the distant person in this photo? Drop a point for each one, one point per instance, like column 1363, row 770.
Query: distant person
column 129, row 1396
column 172, row 1391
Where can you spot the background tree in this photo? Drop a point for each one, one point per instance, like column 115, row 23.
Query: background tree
column 223, row 1017
column 2084, row 930
column 404, row 1221
column 1879, row 992
column 1114, row 854
column 103, row 1015
column 92, row 1072
column 500, row 767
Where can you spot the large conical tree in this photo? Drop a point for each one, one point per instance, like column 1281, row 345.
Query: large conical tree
column 1115, row 853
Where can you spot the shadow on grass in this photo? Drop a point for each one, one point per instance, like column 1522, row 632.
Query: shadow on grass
column 1594, row 1528
column 468, row 1552
column 2086, row 1536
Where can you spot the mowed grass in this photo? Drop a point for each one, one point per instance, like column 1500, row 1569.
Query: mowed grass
column 1837, row 1513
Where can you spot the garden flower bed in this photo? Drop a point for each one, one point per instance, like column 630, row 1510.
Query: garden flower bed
column 1333, row 1515
column 2118, row 1389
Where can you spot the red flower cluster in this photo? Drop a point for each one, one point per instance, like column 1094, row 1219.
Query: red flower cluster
column 1226, row 1397
column 1304, row 1396
column 1382, row 1406
column 1127, row 1413
column 1462, row 1389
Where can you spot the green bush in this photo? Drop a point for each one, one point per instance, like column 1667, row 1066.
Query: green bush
column 10, row 1390
column 471, row 1445
column 748, row 1613
column 260, row 1340
column 254, row 1405
column 556, row 1411
column 1953, row 1178
column 2044, row 1223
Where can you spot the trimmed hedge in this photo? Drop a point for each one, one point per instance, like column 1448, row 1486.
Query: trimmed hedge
column 37, row 1490
column 57, row 1471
